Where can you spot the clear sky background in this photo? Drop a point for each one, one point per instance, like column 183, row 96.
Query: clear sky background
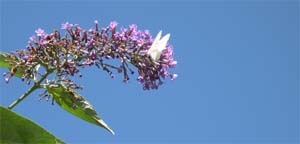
column 238, row 67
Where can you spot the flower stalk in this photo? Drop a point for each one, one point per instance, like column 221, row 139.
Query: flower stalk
column 35, row 86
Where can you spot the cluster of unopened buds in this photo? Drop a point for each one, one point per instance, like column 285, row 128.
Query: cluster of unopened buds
column 78, row 48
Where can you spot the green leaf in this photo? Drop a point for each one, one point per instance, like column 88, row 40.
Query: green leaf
column 76, row 105
column 6, row 58
column 3, row 59
column 18, row 129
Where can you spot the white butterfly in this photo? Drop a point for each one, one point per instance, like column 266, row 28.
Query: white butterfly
column 158, row 46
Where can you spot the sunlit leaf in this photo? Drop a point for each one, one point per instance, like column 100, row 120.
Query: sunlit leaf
column 75, row 104
column 5, row 61
column 18, row 129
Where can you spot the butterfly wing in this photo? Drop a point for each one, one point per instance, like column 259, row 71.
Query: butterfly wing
column 163, row 42
column 155, row 42
column 153, row 49
column 159, row 47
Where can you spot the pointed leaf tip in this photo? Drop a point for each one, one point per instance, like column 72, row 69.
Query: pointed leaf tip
column 75, row 104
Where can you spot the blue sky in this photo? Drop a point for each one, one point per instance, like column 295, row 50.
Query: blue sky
column 238, row 67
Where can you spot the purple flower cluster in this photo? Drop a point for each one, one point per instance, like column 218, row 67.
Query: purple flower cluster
column 82, row 48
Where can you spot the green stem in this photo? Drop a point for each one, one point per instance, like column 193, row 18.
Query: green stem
column 35, row 86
